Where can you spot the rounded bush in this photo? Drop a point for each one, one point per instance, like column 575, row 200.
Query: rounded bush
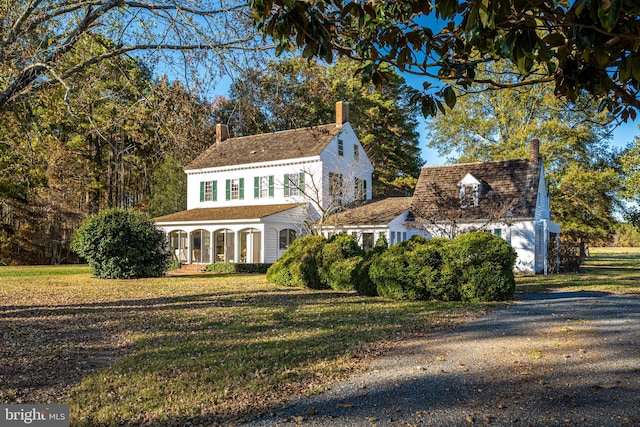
column 480, row 266
column 298, row 266
column 121, row 244
column 343, row 273
column 409, row 270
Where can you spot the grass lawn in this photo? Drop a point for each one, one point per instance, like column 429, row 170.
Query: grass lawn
column 188, row 349
column 211, row 349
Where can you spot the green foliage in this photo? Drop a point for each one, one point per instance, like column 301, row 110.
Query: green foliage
column 409, row 270
column 343, row 273
column 230, row 267
column 362, row 281
column 472, row 267
column 480, row 266
column 122, row 244
column 299, row 264
column 168, row 188
column 581, row 46
column 338, row 248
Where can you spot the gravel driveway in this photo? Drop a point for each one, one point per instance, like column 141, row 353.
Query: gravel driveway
column 563, row 358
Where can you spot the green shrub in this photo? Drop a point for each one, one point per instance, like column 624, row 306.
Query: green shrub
column 343, row 273
column 337, row 249
column 299, row 264
column 122, row 244
column 409, row 270
column 230, row 267
column 480, row 266
column 362, row 281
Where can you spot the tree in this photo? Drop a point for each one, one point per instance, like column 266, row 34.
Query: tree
column 582, row 172
column 122, row 245
column 584, row 45
column 40, row 39
column 298, row 93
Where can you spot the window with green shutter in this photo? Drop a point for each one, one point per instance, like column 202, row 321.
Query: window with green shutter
column 241, row 189
column 270, row 185
column 301, row 182
column 256, row 187
column 228, row 189
column 201, row 191
column 286, row 185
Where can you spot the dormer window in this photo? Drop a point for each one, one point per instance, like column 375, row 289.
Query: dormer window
column 469, row 191
column 340, row 147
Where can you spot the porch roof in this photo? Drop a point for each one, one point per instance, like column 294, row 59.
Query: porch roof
column 225, row 213
column 376, row 212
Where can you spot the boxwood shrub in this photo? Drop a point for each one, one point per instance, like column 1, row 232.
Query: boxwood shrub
column 299, row 264
column 335, row 266
column 409, row 270
column 480, row 266
column 363, row 283
column 121, row 244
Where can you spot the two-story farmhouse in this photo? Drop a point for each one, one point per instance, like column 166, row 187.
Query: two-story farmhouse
column 249, row 197
column 508, row 198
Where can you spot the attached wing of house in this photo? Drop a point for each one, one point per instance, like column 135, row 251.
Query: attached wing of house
column 508, row 198
column 368, row 222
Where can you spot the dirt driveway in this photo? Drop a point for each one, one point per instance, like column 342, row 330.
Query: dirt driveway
column 563, row 358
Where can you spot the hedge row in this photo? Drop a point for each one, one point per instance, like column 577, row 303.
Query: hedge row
column 472, row 267
column 230, row 267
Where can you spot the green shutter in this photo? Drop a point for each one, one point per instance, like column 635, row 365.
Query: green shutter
column 241, row 189
column 286, row 185
column 214, row 188
column 228, row 189
column 201, row 191
column 256, row 187
column 301, row 182
column 270, row 185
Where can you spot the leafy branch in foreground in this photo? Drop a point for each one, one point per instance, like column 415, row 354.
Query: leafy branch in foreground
column 584, row 45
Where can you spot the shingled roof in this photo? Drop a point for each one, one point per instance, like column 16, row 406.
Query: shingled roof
column 509, row 184
column 289, row 144
column 378, row 212
column 226, row 213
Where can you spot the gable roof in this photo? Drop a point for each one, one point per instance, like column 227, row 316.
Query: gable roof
column 288, row 144
column 378, row 212
column 226, row 213
column 507, row 184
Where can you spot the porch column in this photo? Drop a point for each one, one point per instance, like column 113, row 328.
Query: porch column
column 212, row 247
column 188, row 248
column 236, row 246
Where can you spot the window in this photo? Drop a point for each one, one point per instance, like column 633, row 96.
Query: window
column 293, row 184
column 208, row 191
column 263, row 187
column 368, row 241
column 468, row 195
column 497, row 232
column 356, row 152
column 340, row 147
column 235, row 189
column 287, row 236
column 360, row 189
column 335, row 184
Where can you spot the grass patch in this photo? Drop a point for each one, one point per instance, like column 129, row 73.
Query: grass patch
column 43, row 270
column 614, row 270
column 189, row 349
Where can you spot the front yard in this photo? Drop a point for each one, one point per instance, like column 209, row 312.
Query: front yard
column 209, row 349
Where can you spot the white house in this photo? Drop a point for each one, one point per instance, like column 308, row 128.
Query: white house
column 249, row 197
column 508, row 198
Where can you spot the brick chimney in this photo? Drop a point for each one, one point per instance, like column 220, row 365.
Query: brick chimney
column 342, row 113
column 534, row 150
column 222, row 132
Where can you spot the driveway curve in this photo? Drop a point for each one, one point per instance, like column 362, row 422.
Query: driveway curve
column 562, row 358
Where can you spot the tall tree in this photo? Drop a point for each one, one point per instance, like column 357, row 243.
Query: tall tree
column 298, row 93
column 582, row 45
column 582, row 171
